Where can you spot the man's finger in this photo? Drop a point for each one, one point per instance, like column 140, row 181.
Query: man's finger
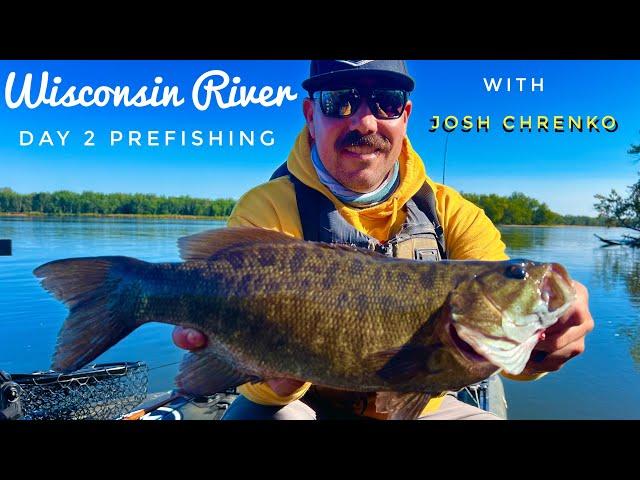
column 188, row 338
column 550, row 362
column 576, row 312
column 576, row 323
column 571, row 317
column 559, row 340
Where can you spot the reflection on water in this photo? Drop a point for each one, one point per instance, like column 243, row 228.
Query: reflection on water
column 633, row 336
column 521, row 238
column 617, row 267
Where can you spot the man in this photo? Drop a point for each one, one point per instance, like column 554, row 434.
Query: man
column 353, row 177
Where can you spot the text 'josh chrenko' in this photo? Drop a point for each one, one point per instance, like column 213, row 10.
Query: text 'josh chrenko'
column 525, row 123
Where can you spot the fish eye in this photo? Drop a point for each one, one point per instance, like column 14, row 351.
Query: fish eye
column 516, row 271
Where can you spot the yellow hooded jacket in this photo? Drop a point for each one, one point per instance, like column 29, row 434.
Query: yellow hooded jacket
column 469, row 234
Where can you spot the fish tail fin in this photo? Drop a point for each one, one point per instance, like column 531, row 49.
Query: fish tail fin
column 97, row 317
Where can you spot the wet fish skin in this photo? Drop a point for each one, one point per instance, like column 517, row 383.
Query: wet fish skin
column 273, row 306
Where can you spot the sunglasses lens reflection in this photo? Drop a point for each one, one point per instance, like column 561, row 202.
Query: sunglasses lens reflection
column 384, row 104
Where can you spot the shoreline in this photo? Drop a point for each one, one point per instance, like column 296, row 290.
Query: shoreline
column 111, row 215
column 550, row 226
column 204, row 217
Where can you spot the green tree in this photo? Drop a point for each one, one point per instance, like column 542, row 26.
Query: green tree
column 623, row 211
column 544, row 216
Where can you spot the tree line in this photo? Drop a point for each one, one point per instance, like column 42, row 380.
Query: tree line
column 516, row 209
column 70, row 203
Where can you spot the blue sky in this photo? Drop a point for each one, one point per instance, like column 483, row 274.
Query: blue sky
column 564, row 169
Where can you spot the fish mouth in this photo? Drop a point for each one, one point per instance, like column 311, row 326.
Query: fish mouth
column 503, row 352
column 556, row 290
column 465, row 348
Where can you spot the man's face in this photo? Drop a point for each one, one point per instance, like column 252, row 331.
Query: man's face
column 360, row 150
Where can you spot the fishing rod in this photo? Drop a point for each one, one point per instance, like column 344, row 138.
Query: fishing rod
column 444, row 161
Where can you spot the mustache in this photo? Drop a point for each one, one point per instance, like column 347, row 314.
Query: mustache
column 374, row 140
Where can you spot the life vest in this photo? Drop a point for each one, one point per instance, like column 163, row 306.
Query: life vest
column 420, row 238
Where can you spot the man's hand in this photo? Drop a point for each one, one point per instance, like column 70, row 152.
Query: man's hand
column 565, row 338
column 191, row 339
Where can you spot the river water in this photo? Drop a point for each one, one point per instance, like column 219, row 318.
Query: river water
column 602, row 383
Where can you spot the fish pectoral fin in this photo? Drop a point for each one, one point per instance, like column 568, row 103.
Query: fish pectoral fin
column 204, row 245
column 400, row 364
column 402, row 406
column 204, row 373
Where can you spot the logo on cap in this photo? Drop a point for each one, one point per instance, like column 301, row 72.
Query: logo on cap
column 355, row 63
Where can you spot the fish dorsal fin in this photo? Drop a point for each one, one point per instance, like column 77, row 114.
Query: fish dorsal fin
column 402, row 406
column 352, row 248
column 204, row 245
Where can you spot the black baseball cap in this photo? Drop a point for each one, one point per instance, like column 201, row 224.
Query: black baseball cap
column 331, row 73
